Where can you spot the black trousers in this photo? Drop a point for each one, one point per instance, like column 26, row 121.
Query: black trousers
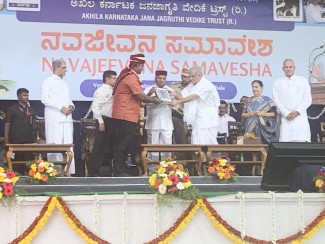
column 124, row 131
column 102, row 149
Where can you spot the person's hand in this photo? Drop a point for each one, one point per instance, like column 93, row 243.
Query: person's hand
column 66, row 111
column 151, row 91
column 260, row 113
column 172, row 93
column 71, row 108
column 250, row 114
column 291, row 116
column 101, row 127
column 174, row 103
column 156, row 101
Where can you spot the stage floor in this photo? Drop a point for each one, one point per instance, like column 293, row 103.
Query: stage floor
column 102, row 185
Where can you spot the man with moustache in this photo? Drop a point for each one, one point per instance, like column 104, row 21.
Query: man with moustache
column 20, row 125
column 128, row 96
column 159, row 123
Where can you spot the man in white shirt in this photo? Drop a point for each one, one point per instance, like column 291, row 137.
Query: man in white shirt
column 202, row 108
column 224, row 118
column 102, row 112
column 58, row 110
column 159, row 124
column 292, row 97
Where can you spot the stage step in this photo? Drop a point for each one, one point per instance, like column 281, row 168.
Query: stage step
column 105, row 185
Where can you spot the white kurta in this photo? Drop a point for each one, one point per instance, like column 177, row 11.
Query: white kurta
column 202, row 113
column 223, row 123
column 58, row 127
column 293, row 95
column 159, row 125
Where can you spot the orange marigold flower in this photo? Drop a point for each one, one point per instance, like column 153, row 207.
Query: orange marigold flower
column 157, row 184
column 31, row 172
column 40, row 169
column 220, row 170
column 210, row 169
column 44, row 178
column 180, row 166
column 227, row 176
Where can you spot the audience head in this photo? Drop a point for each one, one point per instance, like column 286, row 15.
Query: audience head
column 288, row 67
column 185, row 76
column 137, row 62
column 195, row 74
column 23, row 95
column 59, row 67
column 160, row 78
column 243, row 101
column 109, row 77
column 223, row 108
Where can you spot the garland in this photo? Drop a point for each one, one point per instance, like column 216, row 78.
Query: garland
column 230, row 232
column 70, row 218
column 218, row 222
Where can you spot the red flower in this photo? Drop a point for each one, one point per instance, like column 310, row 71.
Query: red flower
column 10, row 175
column 7, row 185
column 8, row 191
column 321, row 173
column 186, row 178
column 173, row 179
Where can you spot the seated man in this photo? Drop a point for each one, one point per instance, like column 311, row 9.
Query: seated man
column 224, row 118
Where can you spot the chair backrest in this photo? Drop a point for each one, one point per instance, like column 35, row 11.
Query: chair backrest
column 235, row 129
column 40, row 130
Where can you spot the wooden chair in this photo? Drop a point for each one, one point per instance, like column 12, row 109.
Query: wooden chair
column 235, row 129
column 321, row 135
column 88, row 128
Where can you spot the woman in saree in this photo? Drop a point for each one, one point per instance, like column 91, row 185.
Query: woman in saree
column 261, row 116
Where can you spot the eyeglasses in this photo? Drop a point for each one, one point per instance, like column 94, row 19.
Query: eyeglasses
column 112, row 77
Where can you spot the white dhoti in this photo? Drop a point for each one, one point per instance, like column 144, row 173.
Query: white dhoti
column 204, row 135
column 164, row 137
column 59, row 133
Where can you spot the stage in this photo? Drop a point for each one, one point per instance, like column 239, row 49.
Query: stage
column 124, row 210
column 111, row 185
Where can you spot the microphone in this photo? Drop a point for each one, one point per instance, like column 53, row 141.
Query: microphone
column 28, row 104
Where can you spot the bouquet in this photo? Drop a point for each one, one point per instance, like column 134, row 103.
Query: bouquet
column 320, row 179
column 41, row 171
column 170, row 178
column 222, row 170
column 8, row 180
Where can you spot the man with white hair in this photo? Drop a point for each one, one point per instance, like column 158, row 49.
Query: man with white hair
column 202, row 110
column 292, row 97
column 58, row 110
